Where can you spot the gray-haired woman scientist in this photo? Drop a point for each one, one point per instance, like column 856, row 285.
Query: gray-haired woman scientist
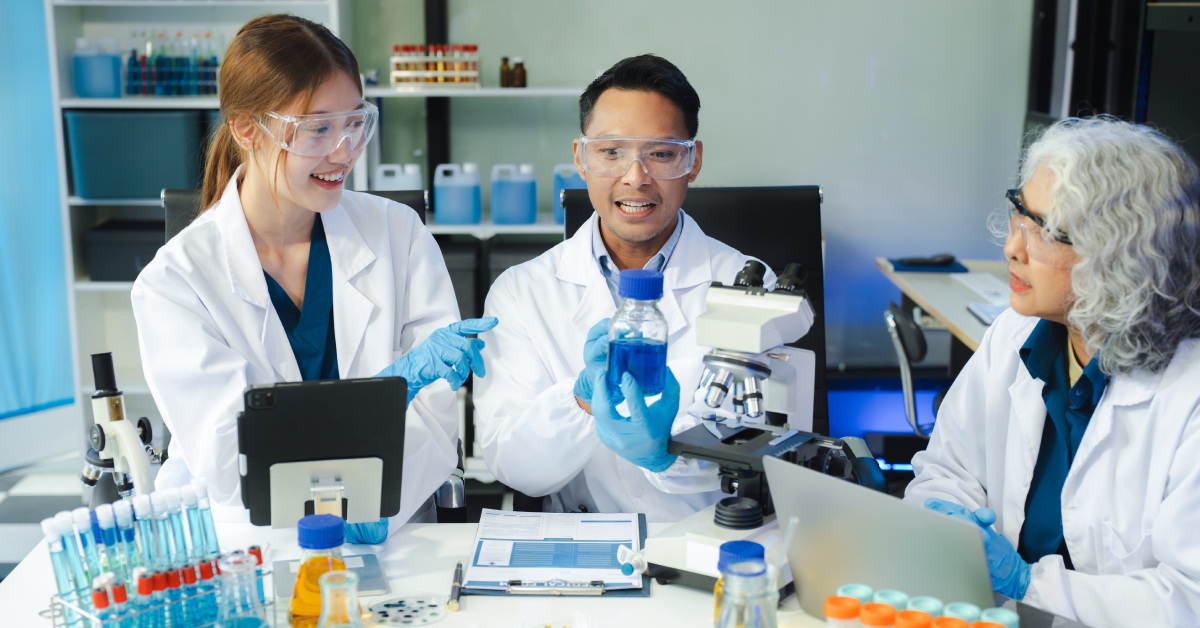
column 1072, row 437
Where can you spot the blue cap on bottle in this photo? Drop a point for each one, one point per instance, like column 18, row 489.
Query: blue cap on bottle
column 738, row 551
column 643, row 285
column 320, row 532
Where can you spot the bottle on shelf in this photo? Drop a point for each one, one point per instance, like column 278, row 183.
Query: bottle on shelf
column 505, row 73
column 518, row 72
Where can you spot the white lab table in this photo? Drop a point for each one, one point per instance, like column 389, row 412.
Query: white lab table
column 418, row 559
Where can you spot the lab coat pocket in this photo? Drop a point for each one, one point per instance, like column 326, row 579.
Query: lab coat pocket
column 1124, row 553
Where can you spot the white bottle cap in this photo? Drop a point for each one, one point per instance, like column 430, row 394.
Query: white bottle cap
column 525, row 168
column 412, row 169
column 83, row 519
column 50, row 529
column 159, row 501
column 188, row 495
column 201, row 487
column 518, row 59
column 141, row 506
column 173, row 498
column 63, row 521
column 124, row 512
column 470, row 167
column 104, row 514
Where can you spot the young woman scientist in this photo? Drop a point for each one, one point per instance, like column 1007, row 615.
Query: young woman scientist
column 1072, row 437
column 284, row 276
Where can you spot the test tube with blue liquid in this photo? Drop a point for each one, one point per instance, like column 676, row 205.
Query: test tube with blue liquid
column 108, row 530
column 62, row 572
column 206, row 520
column 145, row 530
column 66, row 531
column 162, row 532
column 179, row 536
column 82, row 518
column 187, row 496
column 127, row 535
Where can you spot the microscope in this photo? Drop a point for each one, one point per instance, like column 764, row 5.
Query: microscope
column 117, row 463
column 771, row 387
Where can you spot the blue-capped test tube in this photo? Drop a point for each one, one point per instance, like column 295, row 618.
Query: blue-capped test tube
column 145, row 530
column 79, row 576
column 162, row 531
column 112, row 548
column 83, row 523
column 62, row 572
column 187, row 495
column 179, row 536
column 212, row 550
column 127, row 535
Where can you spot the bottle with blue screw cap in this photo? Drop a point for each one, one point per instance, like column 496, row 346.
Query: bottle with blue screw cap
column 637, row 334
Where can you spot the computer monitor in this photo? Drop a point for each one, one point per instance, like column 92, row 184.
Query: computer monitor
column 326, row 446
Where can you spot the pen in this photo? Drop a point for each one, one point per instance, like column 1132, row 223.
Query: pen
column 455, row 588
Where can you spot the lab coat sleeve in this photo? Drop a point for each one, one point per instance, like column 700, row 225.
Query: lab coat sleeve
column 535, row 437
column 686, row 475
column 195, row 377
column 1167, row 594
column 952, row 466
column 431, row 422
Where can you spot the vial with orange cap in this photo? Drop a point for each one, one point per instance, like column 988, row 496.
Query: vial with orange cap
column 949, row 622
column 842, row 611
column 877, row 615
column 910, row 618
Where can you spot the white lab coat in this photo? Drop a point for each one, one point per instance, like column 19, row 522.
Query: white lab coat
column 1131, row 499
column 207, row 330
column 535, row 437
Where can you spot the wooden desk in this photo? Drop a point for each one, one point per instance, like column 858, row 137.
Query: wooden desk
column 945, row 299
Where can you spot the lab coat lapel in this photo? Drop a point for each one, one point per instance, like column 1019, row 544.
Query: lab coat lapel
column 578, row 266
column 1029, row 413
column 352, row 309
column 1121, row 391
column 688, row 267
column 248, row 284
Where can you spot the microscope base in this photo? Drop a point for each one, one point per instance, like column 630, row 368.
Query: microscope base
column 687, row 552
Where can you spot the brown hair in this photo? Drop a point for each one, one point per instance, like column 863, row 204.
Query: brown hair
column 273, row 60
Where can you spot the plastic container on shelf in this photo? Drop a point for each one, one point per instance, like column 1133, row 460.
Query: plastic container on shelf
column 132, row 154
column 97, row 68
column 566, row 177
column 456, row 194
column 514, row 194
column 398, row 177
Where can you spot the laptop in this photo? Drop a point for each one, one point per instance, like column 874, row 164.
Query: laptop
column 847, row 533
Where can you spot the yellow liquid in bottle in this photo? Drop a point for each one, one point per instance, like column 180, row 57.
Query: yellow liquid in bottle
column 306, row 596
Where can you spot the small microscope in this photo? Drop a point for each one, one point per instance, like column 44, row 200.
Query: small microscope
column 117, row 463
column 772, row 386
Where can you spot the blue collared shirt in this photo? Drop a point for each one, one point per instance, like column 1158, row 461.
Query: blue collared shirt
column 657, row 263
column 1068, row 411
column 310, row 331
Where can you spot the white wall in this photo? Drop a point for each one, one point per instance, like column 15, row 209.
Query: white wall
column 909, row 114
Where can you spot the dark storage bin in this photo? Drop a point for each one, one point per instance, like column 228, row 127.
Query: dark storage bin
column 115, row 154
column 117, row 250
column 462, row 260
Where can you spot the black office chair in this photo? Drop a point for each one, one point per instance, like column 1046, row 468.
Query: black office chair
column 909, row 342
column 778, row 225
column 182, row 206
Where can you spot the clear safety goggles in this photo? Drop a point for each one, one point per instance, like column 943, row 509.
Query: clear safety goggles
column 319, row 134
column 658, row 158
column 1050, row 249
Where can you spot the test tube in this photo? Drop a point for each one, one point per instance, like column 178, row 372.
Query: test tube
column 207, row 592
column 82, row 518
column 206, row 520
column 187, row 495
column 162, row 531
column 100, row 604
column 66, row 530
column 62, row 572
column 175, row 515
column 127, row 535
column 108, row 530
column 119, row 606
column 176, row 613
column 145, row 528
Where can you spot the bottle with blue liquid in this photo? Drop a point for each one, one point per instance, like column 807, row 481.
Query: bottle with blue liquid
column 637, row 334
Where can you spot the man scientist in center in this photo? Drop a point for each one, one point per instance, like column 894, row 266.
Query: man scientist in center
column 545, row 429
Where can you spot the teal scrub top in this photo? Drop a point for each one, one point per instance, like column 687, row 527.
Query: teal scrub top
column 310, row 332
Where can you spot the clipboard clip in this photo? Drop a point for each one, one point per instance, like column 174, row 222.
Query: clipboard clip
column 555, row 587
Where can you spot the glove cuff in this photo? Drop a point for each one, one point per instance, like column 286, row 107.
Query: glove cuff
column 661, row 463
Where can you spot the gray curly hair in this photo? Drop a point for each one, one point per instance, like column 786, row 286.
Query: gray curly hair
column 1129, row 198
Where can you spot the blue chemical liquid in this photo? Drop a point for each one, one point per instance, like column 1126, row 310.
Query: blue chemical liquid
column 210, row 533
column 457, row 204
column 646, row 360
column 514, row 202
column 181, row 553
column 162, row 532
column 199, row 545
column 146, row 536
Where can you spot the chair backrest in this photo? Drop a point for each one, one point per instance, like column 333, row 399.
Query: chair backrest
column 181, row 206
column 778, row 225
column 909, row 342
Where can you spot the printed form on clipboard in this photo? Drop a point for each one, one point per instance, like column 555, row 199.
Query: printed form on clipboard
column 553, row 553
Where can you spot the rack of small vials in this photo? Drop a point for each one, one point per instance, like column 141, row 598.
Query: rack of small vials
column 150, row 561
column 417, row 66
column 159, row 65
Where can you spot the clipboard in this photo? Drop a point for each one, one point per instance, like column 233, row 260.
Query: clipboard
column 566, row 588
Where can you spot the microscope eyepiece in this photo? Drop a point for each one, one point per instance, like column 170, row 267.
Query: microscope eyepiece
column 792, row 278
column 751, row 275
column 103, row 373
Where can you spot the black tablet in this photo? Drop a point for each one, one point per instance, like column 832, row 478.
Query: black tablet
column 294, row 434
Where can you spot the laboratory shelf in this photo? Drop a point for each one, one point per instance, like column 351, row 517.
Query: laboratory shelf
column 83, row 284
column 76, row 201
column 487, row 229
column 143, row 102
column 469, row 92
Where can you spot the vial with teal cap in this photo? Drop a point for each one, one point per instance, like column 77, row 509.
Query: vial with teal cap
column 637, row 334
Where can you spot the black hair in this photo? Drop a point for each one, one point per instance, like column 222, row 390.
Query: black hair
column 645, row 73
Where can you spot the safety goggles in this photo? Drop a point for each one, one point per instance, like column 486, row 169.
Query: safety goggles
column 319, row 134
column 658, row 158
column 1051, row 249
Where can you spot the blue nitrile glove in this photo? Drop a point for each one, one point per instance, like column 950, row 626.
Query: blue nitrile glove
column 368, row 533
column 1010, row 573
column 595, row 359
column 447, row 353
column 641, row 438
